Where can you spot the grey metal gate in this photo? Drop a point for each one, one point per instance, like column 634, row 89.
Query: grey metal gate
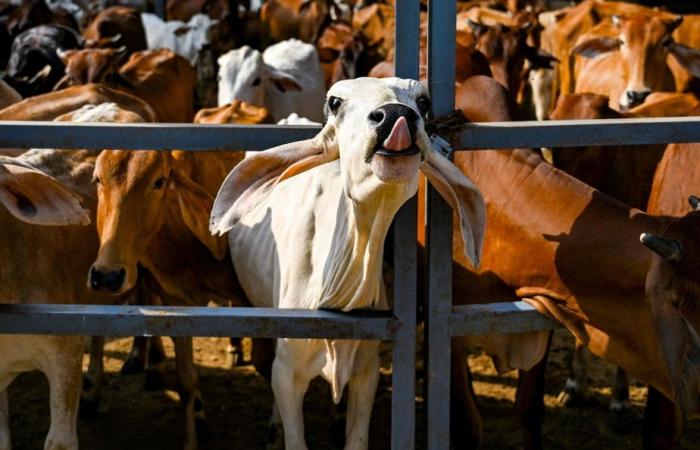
column 442, row 321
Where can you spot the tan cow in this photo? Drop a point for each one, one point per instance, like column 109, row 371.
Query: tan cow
column 8, row 96
column 46, row 187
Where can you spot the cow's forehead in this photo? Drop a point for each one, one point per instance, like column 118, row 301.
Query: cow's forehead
column 377, row 91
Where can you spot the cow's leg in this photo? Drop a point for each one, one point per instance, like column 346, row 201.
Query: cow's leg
column 5, row 441
column 155, row 365
column 262, row 356
column 289, row 384
column 235, row 349
column 362, row 388
column 466, row 429
column 529, row 401
column 572, row 395
column 136, row 360
column 659, row 429
column 621, row 413
column 190, row 397
column 63, row 370
column 93, row 379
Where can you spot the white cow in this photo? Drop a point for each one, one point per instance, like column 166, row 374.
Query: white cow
column 287, row 78
column 307, row 223
column 185, row 39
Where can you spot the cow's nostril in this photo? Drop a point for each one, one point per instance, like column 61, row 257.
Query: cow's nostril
column 376, row 116
column 109, row 281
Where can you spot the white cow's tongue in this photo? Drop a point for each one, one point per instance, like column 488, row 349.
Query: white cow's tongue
column 399, row 138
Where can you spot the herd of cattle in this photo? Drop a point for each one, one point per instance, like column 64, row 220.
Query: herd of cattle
column 304, row 224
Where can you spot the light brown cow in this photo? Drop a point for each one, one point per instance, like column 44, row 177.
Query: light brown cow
column 54, row 104
column 172, row 195
column 163, row 79
column 8, row 96
column 46, row 187
column 287, row 19
column 627, row 59
column 563, row 225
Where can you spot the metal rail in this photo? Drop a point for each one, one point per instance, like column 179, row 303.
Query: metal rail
column 491, row 135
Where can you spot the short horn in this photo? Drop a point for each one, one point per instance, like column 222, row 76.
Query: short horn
column 116, row 38
column 694, row 202
column 668, row 249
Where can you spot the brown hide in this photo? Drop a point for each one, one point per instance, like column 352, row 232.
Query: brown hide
column 163, row 79
column 53, row 104
column 286, row 19
column 688, row 34
column 184, row 10
column 236, row 112
column 375, row 23
column 91, row 66
column 543, row 227
column 338, row 50
column 117, row 21
column 623, row 172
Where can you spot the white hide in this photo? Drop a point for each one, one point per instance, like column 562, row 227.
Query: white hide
column 541, row 83
column 266, row 79
column 315, row 240
column 296, row 119
column 185, row 39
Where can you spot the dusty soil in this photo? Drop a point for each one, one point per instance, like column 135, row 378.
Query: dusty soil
column 237, row 403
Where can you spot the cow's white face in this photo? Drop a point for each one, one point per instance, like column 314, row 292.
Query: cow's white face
column 379, row 128
column 241, row 76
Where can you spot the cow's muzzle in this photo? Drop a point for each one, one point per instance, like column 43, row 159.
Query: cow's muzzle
column 395, row 126
column 110, row 281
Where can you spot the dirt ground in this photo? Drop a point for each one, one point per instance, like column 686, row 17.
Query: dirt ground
column 237, row 403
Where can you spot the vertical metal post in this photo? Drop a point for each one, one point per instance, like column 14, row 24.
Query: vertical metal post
column 441, row 77
column 160, row 8
column 403, row 406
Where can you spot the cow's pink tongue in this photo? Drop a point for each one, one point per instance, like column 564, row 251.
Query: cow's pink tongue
column 399, row 138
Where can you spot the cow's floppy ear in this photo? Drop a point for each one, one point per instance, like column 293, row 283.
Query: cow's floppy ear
column 195, row 206
column 283, row 82
column 464, row 198
column 254, row 177
column 596, row 47
column 687, row 57
column 34, row 197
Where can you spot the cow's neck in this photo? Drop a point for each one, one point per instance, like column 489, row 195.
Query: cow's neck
column 353, row 277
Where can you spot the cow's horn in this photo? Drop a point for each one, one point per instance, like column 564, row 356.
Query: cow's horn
column 694, row 202
column 668, row 249
column 116, row 38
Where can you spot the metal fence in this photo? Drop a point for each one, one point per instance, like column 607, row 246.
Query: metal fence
column 442, row 320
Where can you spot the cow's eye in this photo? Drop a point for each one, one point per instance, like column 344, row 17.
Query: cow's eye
column 423, row 103
column 159, row 183
column 95, row 180
column 256, row 81
column 334, row 104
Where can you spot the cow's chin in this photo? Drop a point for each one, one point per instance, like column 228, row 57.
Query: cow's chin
column 395, row 169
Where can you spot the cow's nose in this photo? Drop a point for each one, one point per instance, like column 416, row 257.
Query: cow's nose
column 111, row 280
column 384, row 118
column 636, row 97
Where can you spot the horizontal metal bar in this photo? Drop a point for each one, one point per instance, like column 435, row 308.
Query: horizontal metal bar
column 149, row 136
column 506, row 317
column 560, row 133
column 113, row 320
column 576, row 133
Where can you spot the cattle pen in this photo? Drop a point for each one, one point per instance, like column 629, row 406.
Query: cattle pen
column 442, row 320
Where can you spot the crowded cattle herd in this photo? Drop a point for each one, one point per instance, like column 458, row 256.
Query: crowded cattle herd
column 604, row 241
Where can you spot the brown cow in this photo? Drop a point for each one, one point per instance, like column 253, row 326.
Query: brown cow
column 563, row 225
column 117, row 26
column 162, row 78
column 46, row 187
column 183, row 264
column 8, row 96
column 287, row 19
column 50, row 106
column 339, row 49
column 627, row 60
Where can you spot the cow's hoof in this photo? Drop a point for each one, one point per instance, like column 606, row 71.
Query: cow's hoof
column 623, row 418
column 275, row 437
column 154, row 380
column 132, row 366
column 88, row 408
